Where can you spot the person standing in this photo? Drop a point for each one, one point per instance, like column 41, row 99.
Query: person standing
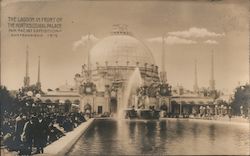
column 19, row 126
column 41, row 133
column 28, row 135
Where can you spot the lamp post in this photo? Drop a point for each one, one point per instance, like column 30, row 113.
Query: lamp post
column 28, row 100
column 31, row 102
column 38, row 96
column 30, row 93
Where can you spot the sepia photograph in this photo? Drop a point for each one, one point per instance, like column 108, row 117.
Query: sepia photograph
column 124, row 77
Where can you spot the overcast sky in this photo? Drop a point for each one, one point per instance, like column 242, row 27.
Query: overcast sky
column 193, row 30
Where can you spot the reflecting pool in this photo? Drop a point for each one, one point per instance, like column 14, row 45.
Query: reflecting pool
column 162, row 137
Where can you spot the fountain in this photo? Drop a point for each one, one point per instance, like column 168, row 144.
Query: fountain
column 129, row 107
column 134, row 82
column 147, row 102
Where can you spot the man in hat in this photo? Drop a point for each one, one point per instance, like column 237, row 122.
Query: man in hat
column 41, row 133
column 28, row 135
column 20, row 122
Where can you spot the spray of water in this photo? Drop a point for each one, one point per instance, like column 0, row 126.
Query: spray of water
column 133, row 83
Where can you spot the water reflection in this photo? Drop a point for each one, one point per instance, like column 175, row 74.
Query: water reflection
column 132, row 130
column 179, row 128
column 211, row 129
column 194, row 130
column 178, row 137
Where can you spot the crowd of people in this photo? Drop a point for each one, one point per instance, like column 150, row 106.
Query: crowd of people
column 30, row 133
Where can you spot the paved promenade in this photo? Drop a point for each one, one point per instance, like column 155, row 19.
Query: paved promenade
column 63, row 145
column 5, row 152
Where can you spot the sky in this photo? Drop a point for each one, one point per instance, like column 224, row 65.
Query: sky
column 192, row 30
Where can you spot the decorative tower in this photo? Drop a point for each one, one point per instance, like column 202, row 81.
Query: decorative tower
column 38, row 83
column 88, row 48
column 212, row 81
column 163, row 74
column 88, row 59
column 27, row 78
column 165, row 88
column 196, row 88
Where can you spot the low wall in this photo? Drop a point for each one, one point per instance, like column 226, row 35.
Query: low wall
column 64, row 144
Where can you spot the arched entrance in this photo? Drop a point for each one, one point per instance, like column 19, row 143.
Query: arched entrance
column 113, row 105
column 164, row 107
column 87, row 108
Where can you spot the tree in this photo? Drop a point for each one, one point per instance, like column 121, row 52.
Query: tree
column 7, row 101
column 241, row 98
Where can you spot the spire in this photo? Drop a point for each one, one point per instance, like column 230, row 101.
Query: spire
column 196, row 88
column 88, row 48
column 27, row 78
column 88, row 57
column 163, row 70
column 38, row 83
column 212, row 81
column 163, row 54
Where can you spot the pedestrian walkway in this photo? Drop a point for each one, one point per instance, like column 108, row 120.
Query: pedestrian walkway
column 63, row 145
column 5, row 152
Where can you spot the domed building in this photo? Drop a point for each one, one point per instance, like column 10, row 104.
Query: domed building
column 121, row 73
column 105, row 81
column 122, row 50
column 116, row 57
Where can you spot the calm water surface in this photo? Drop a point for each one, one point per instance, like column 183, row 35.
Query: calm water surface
column 162, row 137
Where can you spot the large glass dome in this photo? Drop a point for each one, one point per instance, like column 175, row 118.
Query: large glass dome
column 121, row 50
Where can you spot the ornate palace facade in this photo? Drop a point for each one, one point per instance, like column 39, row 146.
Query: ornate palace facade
column 120, row 73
